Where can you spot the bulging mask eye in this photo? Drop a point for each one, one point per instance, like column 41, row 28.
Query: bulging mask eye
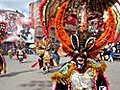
column 89, row 43
column 75, row 41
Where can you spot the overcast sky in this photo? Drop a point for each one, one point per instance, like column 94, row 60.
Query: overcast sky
column 20, row 5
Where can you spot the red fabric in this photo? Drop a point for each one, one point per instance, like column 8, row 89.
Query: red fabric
column 51, row 62
column 40, row 63
column 34, row 64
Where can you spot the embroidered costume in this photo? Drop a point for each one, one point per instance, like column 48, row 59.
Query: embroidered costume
column 84, row 28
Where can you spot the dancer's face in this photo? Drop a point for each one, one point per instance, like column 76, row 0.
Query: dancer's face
column 81, row 60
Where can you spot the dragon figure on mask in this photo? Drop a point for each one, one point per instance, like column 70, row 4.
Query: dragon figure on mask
column 84, row 28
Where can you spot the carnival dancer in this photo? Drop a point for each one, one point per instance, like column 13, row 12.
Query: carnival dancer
column 2, row 63
column 54, row 53
column 11, row 53
column 84, row 28
column 109, row 52
column 81, row 72
column 46, row 61
column 21, row 55
column 44, row 51
column 55, row 56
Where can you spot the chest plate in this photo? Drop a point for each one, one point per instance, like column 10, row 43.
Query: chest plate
column 81, row 81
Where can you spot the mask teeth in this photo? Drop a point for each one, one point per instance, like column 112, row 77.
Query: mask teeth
column 79, row 66
column 79, row 58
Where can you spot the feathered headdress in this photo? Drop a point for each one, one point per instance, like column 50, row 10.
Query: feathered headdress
column 81, row 18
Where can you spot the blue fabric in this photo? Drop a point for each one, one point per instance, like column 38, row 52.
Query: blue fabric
column 112, row 54
column 56, row 57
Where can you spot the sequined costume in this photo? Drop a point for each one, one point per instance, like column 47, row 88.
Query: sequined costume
column 84, row 28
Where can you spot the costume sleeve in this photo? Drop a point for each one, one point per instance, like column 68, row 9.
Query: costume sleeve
column 64, row 73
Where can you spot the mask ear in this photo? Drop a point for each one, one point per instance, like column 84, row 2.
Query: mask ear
column 89, row 43
column 75, row 41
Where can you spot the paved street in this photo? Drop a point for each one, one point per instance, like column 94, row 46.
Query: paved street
column 20, row 76
column 113, row 72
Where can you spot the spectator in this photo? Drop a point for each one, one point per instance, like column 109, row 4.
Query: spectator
column 2, row 63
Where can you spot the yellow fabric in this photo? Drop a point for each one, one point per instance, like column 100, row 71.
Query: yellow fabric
column 40, row 51
column 57, row 76
column 54, row 63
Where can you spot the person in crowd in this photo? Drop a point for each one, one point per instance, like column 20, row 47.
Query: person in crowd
column 21, row 55
column 11, row 52
column 2, row 63
column 109, row 52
